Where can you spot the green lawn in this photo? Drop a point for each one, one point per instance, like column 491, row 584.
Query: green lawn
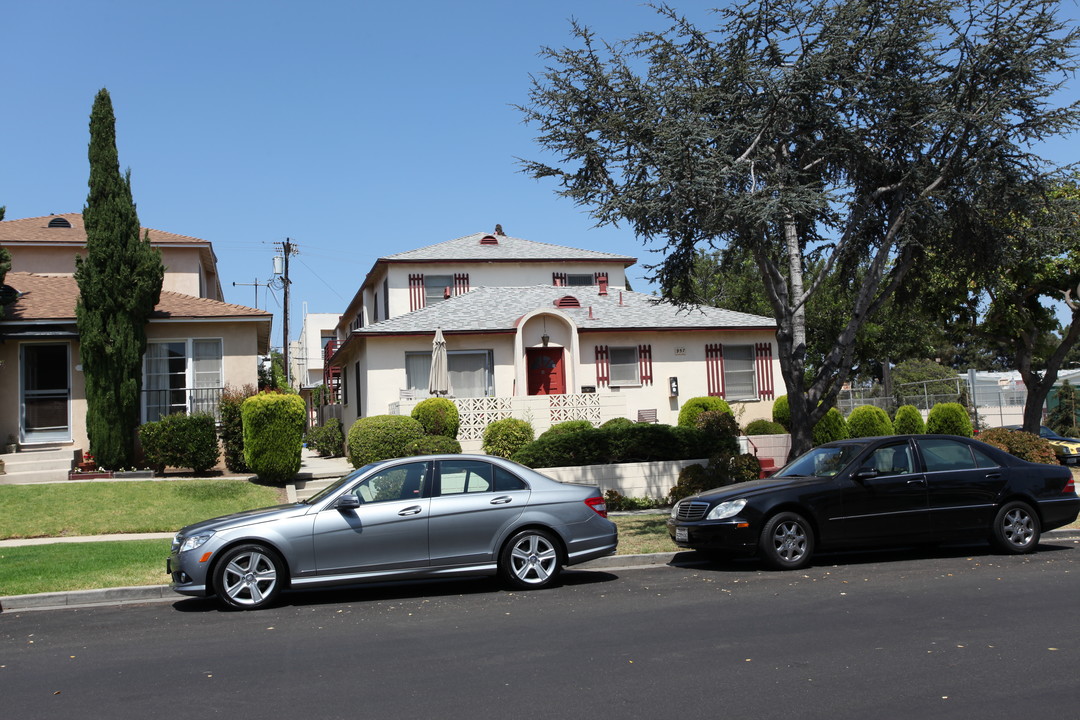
column 58, row 510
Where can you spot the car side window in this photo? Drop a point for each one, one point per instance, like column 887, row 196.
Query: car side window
column 458, row 477
column 942, row 455
column 401, row 482
column 890, row 460
column 505, row 481
column 983, row 460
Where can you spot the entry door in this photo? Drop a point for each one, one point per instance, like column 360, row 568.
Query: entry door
column 45, row 402
column 547, row 375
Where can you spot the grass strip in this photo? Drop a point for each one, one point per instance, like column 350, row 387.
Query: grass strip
column 82, row 566
column 58, row 510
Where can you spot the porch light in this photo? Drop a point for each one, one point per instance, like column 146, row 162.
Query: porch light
column 545, row 339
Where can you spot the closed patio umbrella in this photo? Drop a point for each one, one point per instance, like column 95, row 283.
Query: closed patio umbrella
column 439, row 379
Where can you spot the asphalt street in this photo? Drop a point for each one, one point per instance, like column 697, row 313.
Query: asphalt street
column 944, row 633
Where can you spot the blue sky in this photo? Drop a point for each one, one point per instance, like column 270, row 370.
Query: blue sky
column 357, row 129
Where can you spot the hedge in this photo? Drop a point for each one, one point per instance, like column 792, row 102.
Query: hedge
column 567, row 426
column 1022, row 444
column 695, row 406
column 180, row 441
column 505, row 437
column 765, row 427
column 273, row 435
column 435, row 445
column 381, row 437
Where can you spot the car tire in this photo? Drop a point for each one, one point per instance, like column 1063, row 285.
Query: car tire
column 249, row 577
column 786, row 542
column 1016, row 529
column 530, row 560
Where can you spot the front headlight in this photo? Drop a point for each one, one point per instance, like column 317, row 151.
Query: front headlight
column 724, row 510
column 190, row 543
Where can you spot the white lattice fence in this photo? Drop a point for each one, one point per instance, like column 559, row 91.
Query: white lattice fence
column 477, row 413
column 584, row 406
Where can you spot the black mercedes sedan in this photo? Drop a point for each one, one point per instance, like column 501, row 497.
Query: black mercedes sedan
column 865, row 492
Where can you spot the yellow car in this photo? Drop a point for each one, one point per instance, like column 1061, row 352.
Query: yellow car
column 1066, row 449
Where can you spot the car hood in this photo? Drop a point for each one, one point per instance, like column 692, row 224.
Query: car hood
column 248, row 517
column 757, row 487
column 1065, row 442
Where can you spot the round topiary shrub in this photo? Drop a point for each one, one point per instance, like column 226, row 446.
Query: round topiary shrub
column 908, row 421
column 567, row 426
column 381, row 437
column 435, row 445
column 505, row 437
column 1021, row 444
column 831, row 427
column 619, row 422
column 273, row 435
column 868, row 421
column 692, row 480
column 949, row 419
column 781, row 412
column 695, row 406
column 764, row 427
column 438, row 416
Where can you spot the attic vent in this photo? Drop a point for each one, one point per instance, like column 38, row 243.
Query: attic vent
column 567, row 301
column 59, row 222
column 489, row 240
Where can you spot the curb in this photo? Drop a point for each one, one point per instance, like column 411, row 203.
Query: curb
column 162, row 593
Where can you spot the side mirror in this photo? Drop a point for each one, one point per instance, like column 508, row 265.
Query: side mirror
column 865, row 473
column 347, row 501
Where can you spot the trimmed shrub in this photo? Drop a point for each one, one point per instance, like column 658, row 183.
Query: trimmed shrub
column 949, row 419
column 616, row 502
column 1022, row 444
column 868, row 421
column 781, row 411
column 581, row 447
column 722, row 431
column 381, row 437
column 232, row 426
column 273, row 435
column 505, row 437
column 831, row 427
column 765, row 427
column 567, row 426
column 692, row 480
column 908, row 421
column 435, row 445
column 619, row 422
column 695, row 406
column 438, row 416
column 181, row 441
column 328, row 440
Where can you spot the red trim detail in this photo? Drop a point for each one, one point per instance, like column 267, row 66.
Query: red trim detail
column 567, row 301
column 645, row 363
column 603, row 365
column 602, row 281
column 416, row 292
column 764, row 370
column 558, row 279
column 461, row 283
column 714, row 369
column 489, row 240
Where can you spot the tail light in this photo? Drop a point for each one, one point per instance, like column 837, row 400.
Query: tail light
column 598, row 505
column 1070, row 486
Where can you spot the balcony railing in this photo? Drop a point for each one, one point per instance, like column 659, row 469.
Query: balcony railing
column 185, row 401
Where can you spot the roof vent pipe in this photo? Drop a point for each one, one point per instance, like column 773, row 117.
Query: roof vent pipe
column 602, row 282
column 590, row 312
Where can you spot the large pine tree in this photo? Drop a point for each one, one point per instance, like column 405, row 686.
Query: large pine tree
column 119, row 285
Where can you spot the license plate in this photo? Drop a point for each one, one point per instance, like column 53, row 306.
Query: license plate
column 681, row 534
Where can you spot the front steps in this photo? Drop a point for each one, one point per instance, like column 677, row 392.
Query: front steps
column 45, row 465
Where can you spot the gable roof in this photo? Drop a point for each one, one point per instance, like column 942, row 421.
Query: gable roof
column 36, row 231
column 479, row 247
column 498, row 309
column 50, row 299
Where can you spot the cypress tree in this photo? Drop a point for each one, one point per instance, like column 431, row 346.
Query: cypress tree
column 119, row 285
column 6, row 297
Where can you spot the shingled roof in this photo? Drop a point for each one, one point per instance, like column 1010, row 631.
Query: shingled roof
column 37, row 230
column 488, row 247
column 495, row 309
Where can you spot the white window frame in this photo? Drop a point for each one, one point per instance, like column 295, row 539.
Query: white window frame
column 624, row 372
column 437, row 293
column 738, row 369
column 194, row 379
column 489, row 370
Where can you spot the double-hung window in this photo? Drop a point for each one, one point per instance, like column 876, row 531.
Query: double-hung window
column 624, row 366
column 471, row 372
column 182, row 376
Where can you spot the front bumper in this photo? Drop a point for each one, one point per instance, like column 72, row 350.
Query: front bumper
column 188, row 575
column 733, row 536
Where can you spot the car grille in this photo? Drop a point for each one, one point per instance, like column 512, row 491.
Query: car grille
column 691, row 510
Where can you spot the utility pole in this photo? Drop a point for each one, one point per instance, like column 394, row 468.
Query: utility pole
column 287, row 249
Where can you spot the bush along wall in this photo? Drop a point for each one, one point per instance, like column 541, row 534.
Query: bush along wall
column 232, row 426
column 1022, row 444
column 180, row 441
column 273, row 435
column 505, row 437
column 381, row 437
column 327, row 439
column 438, row 416
column 697, row 405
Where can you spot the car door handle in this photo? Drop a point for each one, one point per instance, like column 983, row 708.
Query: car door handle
column 917, row 481
column 411, row 510
column 993, row 476
column 502, row 500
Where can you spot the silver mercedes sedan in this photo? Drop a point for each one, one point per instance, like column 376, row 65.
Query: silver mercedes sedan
column 407, row 518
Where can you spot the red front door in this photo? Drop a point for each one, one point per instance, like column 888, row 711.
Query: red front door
column 546, row 373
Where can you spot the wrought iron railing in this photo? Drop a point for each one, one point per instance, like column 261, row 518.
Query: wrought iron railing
column 187, row 401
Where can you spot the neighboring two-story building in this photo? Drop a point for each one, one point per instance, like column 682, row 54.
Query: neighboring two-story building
column 542, row 332
column 197, row 342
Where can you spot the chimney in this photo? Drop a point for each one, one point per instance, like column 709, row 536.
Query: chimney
column 602, row 282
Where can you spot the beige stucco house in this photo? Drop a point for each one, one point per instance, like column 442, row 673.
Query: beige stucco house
column 197, row 342
column 542, row 332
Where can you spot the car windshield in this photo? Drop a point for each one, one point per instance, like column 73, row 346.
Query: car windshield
column 821, row 461
column 333, row 487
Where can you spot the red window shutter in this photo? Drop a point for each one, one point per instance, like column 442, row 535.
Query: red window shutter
column 558, row 279
column 416, row 292
column 603, row 366
column 645, row 363
column 461, row 283
column 714, row 369
column 765, row 371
